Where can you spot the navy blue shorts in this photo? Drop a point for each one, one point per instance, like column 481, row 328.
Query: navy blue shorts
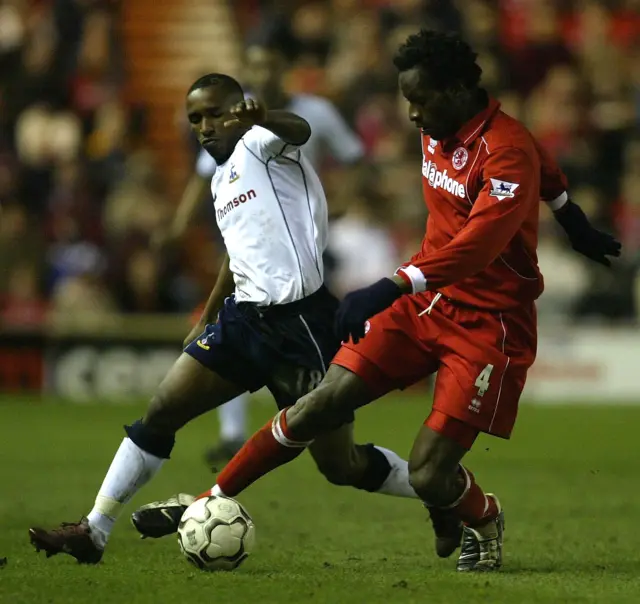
column 286, row 347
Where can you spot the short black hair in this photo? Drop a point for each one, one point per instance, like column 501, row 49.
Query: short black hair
column 445, row 57
column 218, row 80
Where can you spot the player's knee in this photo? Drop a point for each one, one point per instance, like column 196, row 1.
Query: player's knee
column 155, row 433
column 322, row 409
column 309, row 417
column 161, row 415
column 147, row 438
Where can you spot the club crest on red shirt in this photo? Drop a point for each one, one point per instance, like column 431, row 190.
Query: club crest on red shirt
column 460, row 157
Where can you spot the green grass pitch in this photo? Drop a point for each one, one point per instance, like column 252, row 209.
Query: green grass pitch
column 568, row 481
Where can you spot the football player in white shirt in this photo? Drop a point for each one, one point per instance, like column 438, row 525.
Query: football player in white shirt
column 265, row 66
column 268, row 322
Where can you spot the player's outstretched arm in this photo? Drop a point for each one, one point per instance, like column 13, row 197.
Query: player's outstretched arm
column 288, row 127
column 583, row 236
column 222, row 289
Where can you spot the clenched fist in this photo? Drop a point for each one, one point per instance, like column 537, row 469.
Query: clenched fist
column 249, row 112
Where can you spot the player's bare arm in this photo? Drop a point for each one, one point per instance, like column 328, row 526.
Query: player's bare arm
column 223, row 288
column 193, row 194
column 287, row 126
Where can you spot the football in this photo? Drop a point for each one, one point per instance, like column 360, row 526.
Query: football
column 216, row 533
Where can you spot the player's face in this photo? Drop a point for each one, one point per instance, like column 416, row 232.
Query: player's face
column 436, row 112
column 264, row 71
column 208, row 110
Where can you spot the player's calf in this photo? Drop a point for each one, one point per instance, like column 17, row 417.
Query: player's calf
column 364, row 467
column 436, row 485
column 293, row 429
column 436, row 475
column 473, row 516
column 438, row 488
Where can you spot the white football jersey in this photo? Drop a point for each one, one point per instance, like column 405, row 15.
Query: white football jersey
column 272, row 213
column 330, row 135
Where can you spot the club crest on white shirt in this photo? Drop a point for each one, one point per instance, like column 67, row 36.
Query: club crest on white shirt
column 233, row 174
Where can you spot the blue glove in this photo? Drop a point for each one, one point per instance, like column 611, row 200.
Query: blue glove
column 585, row 239
column 362, row 304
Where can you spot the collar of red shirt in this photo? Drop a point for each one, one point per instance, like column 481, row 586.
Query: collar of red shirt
column 473, row 128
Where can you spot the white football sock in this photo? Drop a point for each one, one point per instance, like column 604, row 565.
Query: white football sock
column 130, row 469
column 397, row 483
column 233, row 419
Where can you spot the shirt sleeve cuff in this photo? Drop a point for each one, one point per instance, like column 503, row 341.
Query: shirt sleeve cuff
column 414, row 276
column 558, row 202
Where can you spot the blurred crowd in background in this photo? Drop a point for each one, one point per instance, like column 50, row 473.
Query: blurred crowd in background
column 82, row 198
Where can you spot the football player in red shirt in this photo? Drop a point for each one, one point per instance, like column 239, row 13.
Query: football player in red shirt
column 463, row 306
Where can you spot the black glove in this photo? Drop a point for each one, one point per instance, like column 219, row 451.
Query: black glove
column 362, row 304
column 584, row 237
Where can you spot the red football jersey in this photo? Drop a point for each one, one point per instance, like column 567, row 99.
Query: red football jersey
column 482, row 189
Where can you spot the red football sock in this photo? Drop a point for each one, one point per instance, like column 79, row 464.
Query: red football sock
column 473, row 507
column 267, row 449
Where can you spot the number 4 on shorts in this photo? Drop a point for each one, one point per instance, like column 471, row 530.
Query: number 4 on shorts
column 482, row 381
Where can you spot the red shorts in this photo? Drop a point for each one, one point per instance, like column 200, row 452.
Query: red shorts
column 481, row 357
